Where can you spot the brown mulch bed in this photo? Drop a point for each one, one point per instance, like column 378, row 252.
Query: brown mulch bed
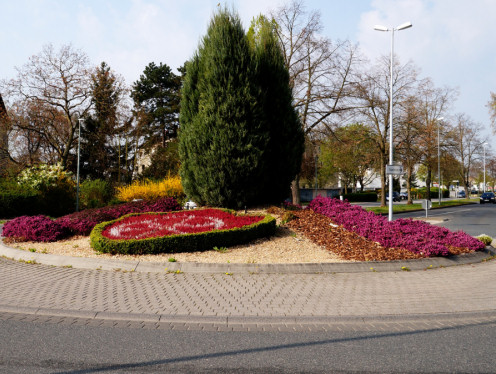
column 347, row 244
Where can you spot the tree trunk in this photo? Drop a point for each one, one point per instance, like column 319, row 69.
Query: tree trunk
column 383, row 181
column 409, row 172
column 295, row 190
column 428, row 182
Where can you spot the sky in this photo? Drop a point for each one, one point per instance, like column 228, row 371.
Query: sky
column 451, row 41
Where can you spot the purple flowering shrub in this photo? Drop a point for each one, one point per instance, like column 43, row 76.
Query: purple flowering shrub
column 34, row 228
column 415, row 236
column 81, row 223
column 44, row 229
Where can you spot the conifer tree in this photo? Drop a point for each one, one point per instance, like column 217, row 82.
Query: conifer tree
column 286, row 142
column 235, row 114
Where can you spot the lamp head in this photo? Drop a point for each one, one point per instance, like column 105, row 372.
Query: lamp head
column 380, row 28
column 404, row 26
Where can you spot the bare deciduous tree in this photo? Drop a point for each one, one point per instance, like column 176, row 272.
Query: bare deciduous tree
column 373, row 91
column 55, row 86
column 467, row 147
column 321, row 70
column 432, row 103
column 492, row 111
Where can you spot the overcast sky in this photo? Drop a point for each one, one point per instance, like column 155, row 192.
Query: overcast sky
column 451, row 41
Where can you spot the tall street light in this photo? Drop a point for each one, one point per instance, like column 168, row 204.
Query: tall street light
column 439, row 159
column 392, row 29
column 77, row 173
column 485, row 145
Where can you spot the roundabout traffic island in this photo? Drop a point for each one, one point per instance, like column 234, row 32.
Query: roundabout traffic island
column 328, row 231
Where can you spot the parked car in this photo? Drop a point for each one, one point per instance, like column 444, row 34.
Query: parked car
column 461, row 194
column 396, row 196
column 404, row 195
column 488, row 197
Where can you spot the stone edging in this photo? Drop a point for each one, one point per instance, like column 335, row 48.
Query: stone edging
column 228, row 268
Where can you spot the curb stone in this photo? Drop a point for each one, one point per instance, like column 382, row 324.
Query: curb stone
column 236, row 268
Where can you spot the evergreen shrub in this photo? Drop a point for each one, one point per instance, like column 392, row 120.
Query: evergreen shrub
column 240, row 140
column 421, row 193
column 16, row 200
column 95, row 193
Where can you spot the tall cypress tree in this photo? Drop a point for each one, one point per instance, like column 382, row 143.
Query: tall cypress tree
column 228, row 124
column 286, row 142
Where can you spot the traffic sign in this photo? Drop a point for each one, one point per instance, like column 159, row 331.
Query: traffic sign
column 394, row 169
column 426, row 204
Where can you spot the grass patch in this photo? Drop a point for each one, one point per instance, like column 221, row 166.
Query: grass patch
column 413, row 207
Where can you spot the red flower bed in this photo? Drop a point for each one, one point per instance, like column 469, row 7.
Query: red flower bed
column 185, row 222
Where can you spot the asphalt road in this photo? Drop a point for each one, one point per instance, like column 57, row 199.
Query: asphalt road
column 474, row 219
column 456, row 343
column 31, row 347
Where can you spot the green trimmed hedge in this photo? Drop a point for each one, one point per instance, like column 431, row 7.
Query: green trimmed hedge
column 180, row 243
column 16, row 201
column 361, row 197
column 421, row 193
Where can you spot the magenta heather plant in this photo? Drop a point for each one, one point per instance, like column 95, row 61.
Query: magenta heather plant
column 35, row 228
column 415, row 236
column 81, row 223
column 44, row 229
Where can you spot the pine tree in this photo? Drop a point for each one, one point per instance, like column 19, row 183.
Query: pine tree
column 97, row 153
column 156, row 98
column 233, row 124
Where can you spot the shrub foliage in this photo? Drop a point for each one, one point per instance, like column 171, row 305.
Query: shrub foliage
column 240, row 139
column 37, row 228
column 149, row 190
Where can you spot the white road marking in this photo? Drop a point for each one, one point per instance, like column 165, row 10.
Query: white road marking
column 455, row 211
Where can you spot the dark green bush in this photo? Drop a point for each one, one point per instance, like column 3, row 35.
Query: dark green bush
column 361, row 197
column 181, row 243
column 16, row 201
column 58, row 200
column 95, row 193
column 421, row 193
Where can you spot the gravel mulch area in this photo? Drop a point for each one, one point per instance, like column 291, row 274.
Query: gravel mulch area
column 308, row 238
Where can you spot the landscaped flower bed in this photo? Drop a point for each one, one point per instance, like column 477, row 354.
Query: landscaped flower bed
column 194, row 230
column 416, row 236
column 44, row 229
column 81, row 223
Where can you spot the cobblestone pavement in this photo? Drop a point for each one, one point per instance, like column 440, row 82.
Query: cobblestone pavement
column 248, row 301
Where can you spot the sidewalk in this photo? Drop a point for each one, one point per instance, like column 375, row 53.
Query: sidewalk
column 248, row 297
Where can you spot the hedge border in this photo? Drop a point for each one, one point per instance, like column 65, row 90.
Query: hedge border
column 183, row 242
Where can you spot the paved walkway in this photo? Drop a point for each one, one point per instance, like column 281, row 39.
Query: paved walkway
column 246, row 300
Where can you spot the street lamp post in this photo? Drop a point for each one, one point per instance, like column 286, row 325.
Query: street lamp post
column 77, row 173
column 484, row 188
column 439, row 160
column 392, row 29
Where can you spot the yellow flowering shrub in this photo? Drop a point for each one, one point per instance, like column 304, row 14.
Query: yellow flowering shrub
column 148, row 190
